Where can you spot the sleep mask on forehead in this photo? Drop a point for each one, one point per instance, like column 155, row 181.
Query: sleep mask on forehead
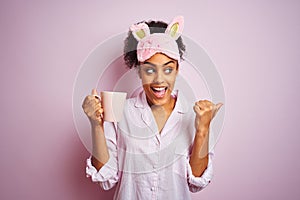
column 150, row 44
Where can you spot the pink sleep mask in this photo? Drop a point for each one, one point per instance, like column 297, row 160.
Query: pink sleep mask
column 150, row 44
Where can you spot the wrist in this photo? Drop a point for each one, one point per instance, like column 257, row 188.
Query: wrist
column 96, row 125
column 202, row 132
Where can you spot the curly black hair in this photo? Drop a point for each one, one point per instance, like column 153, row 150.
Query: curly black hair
column 130, row 43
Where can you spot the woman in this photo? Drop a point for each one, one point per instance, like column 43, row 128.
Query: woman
column 160, row 148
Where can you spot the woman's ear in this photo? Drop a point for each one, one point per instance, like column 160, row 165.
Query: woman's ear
column 175, row 28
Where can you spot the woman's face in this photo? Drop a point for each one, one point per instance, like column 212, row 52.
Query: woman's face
column 158, row 75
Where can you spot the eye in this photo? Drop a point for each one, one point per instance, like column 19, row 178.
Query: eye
column 168, row 70
column 149, row 70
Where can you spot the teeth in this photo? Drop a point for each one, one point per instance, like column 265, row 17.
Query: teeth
column 159, row 89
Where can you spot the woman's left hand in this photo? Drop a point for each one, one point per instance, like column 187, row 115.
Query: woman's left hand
column 205, row 112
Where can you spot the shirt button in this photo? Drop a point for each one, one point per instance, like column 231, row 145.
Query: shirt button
column 152, row 188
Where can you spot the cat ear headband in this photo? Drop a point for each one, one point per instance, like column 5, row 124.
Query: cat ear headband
column 150, row 44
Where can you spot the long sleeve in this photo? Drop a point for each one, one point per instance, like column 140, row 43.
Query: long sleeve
column 107, row 176
column 198, row 183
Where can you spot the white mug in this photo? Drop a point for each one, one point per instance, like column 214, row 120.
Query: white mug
column 113, row 105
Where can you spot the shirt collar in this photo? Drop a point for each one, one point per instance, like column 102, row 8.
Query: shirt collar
column 181, row 105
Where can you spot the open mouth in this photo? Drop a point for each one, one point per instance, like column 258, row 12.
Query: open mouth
column 159, row 92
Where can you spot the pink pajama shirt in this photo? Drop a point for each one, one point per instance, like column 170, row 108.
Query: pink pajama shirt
column 145, row 164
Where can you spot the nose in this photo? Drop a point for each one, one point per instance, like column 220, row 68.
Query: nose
column 159, row 77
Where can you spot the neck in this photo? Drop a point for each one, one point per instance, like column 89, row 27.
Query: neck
column 167, row 107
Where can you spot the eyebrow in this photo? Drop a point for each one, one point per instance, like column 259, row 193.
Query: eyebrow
column 149, row 63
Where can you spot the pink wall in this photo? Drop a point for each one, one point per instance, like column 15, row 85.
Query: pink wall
column 255, row 46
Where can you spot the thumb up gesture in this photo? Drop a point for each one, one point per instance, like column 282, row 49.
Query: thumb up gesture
column 205, row 112
column 93, row 109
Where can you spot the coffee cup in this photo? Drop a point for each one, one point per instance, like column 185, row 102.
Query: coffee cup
column 113, row 105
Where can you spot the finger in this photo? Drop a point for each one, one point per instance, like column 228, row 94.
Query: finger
column 97, row 113
column 98, row 107
column 217, row 107
column 209, row 104
column 198, row 110
column 96, row 99
column 86, row 103
column 86, row 100
column 201, row 104
column 91, row 101
column 95, row 94
column 94, row 91
column 198, row 103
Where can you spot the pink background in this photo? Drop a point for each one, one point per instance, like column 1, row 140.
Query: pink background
column 254, row 44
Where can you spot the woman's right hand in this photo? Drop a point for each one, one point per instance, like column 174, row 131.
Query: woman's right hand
column 93, row 109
